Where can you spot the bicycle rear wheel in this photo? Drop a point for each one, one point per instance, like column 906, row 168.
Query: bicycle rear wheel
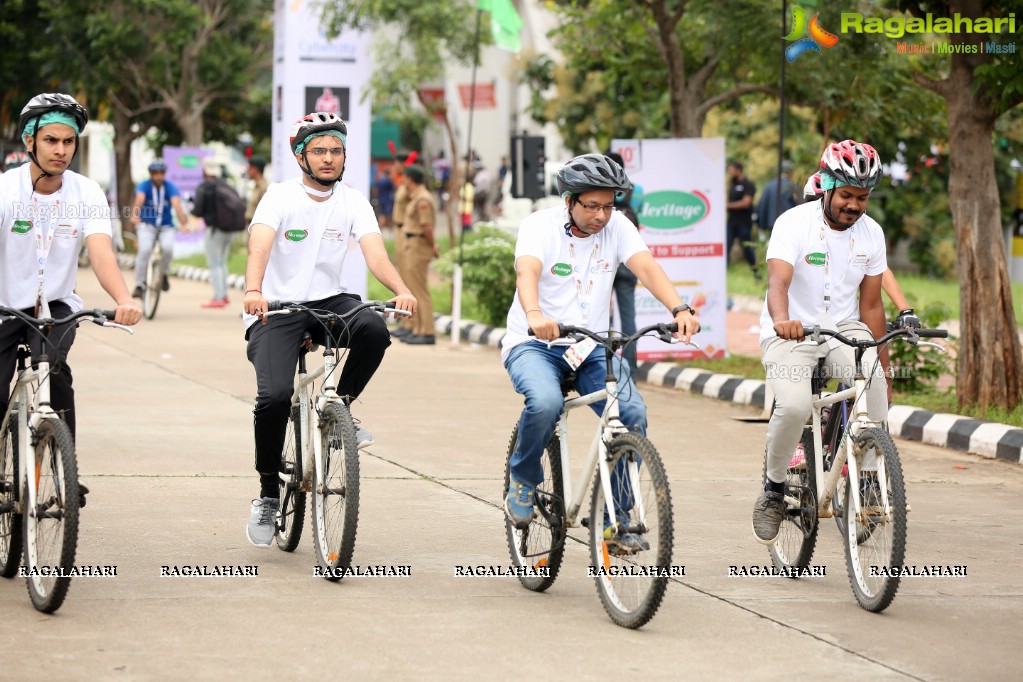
column 336, row 492
column 10, row 522
column 875, row 539
column 291, row 513
column 154, row 284
column 631, row 580
column 797, row 536
column 51, row 529
column 541, row 545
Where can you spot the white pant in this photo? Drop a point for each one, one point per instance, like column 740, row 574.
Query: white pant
column 788, row 375
column 147, row 235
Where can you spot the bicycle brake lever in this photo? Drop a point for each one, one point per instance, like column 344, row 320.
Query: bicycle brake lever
column 673, row 341
column 108, row 323
column 932, row 345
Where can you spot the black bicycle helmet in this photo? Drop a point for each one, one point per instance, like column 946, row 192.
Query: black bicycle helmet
column 53, row 101
column 591, row 172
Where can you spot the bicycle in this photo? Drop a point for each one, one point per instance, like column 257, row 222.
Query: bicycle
column 154, row 281
column 629, row 484
column 39, row 491
column 871, row 514
column 327, row 466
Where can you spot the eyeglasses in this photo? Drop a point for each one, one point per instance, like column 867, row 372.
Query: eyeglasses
column 322, row 151
column 598, row 208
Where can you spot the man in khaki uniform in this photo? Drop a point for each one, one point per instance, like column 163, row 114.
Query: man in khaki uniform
column 419, row 249
column 255, row 172
column 405, row 324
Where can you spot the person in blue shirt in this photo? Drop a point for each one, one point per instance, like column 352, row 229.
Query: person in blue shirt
column 151, row 215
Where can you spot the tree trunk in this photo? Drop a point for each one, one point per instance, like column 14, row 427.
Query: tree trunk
column 989, row 369
column 189, row 120
column 123, row 137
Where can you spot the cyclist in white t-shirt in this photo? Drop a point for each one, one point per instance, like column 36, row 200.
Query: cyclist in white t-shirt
column 298, row 240
column 565, row 262
column 824, row 266
column 46, row 212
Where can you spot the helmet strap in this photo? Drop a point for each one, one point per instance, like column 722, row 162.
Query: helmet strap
column 32, row 154
column 325, row 183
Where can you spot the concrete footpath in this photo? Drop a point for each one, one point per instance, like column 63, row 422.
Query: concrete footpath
column 165, row 444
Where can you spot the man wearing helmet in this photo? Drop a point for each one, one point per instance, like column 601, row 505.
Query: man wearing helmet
column 565, row 262
column 151, row 215
column 298, row 240
column 45, row 211
column 824, row 266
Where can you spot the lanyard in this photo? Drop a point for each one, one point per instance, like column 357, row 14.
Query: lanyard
column 827, row 258
column 583, row 281
column 43, row 244
column 158, row 197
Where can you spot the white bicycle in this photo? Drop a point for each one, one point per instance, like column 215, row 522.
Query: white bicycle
column 39, row 491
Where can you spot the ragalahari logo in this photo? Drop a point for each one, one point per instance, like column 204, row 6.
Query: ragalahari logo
column 817, row 39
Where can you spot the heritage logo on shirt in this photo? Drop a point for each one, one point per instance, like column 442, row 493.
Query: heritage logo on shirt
column 21, row 226
column 66, row 231
column 817, row 258
column 296, row 235
column 860, row 260
column 561, row 269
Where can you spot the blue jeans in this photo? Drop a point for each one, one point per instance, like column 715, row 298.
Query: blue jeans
column 218, row 247
column 536, row 373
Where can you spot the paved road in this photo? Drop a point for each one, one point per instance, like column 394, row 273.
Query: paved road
column 166, row 447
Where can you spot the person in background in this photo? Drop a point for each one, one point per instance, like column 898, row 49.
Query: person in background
column 481, row 201
column 216, row 240
column 625, row 281
column 405, row 325
column 741, row 191
column 152, row 217
column 420, row 248
column 257, row 164
column 772, row 203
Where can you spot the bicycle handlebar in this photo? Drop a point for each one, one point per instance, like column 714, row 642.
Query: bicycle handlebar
column 664, row 333
column 286, row 308
column 816, row 332
column 98, row 316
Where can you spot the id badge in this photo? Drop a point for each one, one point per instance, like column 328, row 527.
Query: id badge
column 578, row 352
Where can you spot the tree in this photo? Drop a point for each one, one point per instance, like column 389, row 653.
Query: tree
column 20, row 24
column 979, row 87
column 425, row 36
column 167, row 62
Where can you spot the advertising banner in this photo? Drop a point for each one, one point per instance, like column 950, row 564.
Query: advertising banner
column 682, row 221
column 314, row 73
column 184, row 169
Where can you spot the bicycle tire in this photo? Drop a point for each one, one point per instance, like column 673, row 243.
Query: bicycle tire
column 797, row 536
column 542, row 543
column 291, row 513
column 874, row 541
column 51, row 530
column 336, row 492
column 153, row 286
column 629, row 593
column 11, row 530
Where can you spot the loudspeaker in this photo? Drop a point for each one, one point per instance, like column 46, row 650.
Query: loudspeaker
column 527, row 166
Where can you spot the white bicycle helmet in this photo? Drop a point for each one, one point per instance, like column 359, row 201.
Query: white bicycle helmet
column 591, row 172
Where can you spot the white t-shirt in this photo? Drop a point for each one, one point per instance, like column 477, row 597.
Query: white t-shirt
column 46, row 226
column 309, row 251
column 577, row 276
column 823, row 260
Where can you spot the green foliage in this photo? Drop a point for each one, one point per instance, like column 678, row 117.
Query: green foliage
column 488, row 272
column 918, row 368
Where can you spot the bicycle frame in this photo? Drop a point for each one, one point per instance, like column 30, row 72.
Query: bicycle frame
column 309, row 419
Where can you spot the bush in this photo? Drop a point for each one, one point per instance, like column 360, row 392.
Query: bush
column 918, row 369
column 488, row 272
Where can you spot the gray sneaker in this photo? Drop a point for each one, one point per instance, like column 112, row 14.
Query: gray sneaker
column 363, row 437
column 262, row 521
column 768, row 513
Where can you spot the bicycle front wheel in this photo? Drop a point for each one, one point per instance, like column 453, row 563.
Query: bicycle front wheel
column 539, row 547
column 291, row 513
column 336, row 492
column 154, row 283
column 797, row 536
column 631, row 554
column 875, row 539
column 10, row 521
column 51, row 528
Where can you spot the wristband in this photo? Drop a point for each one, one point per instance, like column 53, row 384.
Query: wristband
column 249, row 291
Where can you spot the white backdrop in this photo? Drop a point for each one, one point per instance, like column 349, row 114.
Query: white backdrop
column 682, row 220
column 313, row 73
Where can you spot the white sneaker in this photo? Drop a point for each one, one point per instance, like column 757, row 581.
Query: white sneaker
column 262, row 521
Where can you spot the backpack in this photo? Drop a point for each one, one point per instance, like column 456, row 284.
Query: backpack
column 228, row 208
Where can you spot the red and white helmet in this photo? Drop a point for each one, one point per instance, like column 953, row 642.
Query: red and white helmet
column 852, row 163
column 15, row 159
column 316, row 122
column 813, row 187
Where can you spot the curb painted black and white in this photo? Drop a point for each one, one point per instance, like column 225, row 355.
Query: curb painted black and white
column 986, row 439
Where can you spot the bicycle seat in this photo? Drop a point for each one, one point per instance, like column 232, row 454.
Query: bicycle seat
column 568, row 383
column 306, row 343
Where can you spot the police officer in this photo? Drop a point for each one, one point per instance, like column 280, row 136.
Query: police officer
column 405, row 325
column 419, row 249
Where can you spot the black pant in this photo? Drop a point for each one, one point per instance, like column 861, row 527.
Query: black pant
column 58, row 345
column 273, row 351
column 744, row 231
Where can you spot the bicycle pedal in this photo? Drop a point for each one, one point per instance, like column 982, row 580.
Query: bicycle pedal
column 586, row 522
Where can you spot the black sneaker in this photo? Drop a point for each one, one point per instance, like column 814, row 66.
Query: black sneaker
column 165, row 286
column 138, row 293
